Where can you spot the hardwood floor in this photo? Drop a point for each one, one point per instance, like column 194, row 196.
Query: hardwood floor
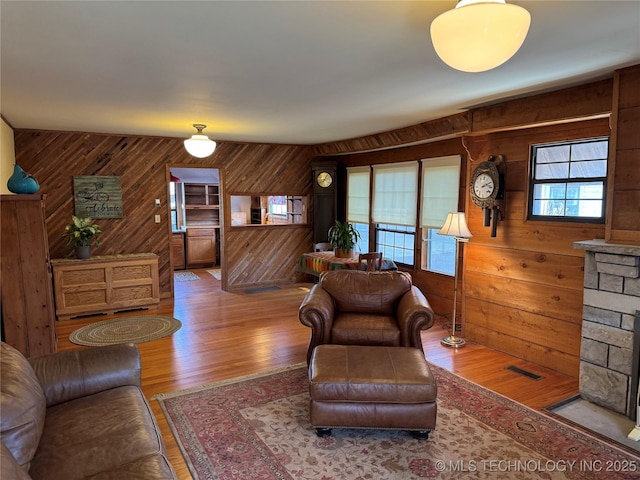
column 226, row 335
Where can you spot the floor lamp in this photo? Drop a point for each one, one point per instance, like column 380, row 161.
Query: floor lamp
column 455, row 226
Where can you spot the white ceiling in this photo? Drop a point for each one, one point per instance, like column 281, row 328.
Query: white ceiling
column 302, row 72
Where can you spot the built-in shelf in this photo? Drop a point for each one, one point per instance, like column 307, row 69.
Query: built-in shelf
column 202, row 204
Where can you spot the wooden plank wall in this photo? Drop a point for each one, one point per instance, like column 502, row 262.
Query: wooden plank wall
column 55, row 157
column 265, row 255
column 623, row 214
column 523, row 288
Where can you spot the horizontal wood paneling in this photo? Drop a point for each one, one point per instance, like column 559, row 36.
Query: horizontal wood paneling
column 530, row 327
column 544, row 237
column 439, row 291
column 528, row 279
column 541, row 268
column 547, row 300
column 627, row 170
column 623, row 209
column 433, row 129
column 561, row 105
column 532, row 352
column 55, row 157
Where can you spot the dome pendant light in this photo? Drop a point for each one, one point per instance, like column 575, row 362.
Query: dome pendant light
column 479, row 35
column 199, row 144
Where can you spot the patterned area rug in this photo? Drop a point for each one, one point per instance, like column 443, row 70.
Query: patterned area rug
column 136, row 329
column 258, row 428
column 185, row 277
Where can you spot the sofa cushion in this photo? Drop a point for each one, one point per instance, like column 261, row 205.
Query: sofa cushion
column 365, row 329
column 22, row 404
column 98, row 436
column 366, row 292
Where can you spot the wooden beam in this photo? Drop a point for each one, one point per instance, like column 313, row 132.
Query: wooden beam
column 592, row 100
column 422, row 132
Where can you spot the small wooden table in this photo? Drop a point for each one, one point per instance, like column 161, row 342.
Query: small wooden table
column 314, row 263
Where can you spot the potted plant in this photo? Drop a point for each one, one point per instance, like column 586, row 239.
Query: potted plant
column 343, row 237
column 80, row 232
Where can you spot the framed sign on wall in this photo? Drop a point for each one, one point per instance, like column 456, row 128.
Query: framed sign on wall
column 97, row 197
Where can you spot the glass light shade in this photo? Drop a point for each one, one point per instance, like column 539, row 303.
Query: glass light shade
column 199, row 146
column 479, row 35
column 456, row 226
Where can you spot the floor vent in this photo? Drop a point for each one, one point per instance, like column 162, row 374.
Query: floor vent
column 525, row 373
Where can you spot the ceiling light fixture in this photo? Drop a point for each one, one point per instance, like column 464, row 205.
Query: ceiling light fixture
column 199, row 144
column 479, row 35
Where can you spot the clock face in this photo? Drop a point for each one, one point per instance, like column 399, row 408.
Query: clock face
column 483, row 186
column 324, row 179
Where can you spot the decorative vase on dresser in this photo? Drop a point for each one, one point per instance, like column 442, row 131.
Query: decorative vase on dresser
column 27, row 294
column 22, row 182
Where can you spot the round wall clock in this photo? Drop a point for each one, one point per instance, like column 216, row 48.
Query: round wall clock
column 324, row 179
column 485, row 183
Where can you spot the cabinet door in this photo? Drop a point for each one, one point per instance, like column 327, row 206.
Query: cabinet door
column 177, row 248
column 201, row 247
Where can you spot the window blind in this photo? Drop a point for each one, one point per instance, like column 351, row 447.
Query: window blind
column 358, row 194
column 440, row 189
column 395, row 193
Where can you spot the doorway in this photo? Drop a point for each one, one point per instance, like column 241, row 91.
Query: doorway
column 195, row 208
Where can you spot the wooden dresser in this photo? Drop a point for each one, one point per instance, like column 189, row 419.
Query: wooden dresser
column 27, row 297
column 105, row 284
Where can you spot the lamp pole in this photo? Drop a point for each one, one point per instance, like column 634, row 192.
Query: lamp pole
column 455, row 226
column 452, row 340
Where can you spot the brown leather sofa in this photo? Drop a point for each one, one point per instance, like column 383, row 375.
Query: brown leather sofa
column 78, row 415
column 351, row 307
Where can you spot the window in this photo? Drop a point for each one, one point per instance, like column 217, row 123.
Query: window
column 358, row 202
column 176, row 205
column 440, row 191
column 568, row 181
column 395, row 198
column 396, row 242
column 277, row 205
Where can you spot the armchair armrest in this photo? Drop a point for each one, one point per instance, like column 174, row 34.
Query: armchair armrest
column 69, row 375
column 414, row 314
column 317, row 311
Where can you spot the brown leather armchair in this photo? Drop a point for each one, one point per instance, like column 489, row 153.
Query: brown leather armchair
column 350, row 307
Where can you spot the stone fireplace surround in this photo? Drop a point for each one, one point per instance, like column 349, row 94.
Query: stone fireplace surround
column 610, row 348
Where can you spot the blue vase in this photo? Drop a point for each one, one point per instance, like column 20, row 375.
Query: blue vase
column 22, row 182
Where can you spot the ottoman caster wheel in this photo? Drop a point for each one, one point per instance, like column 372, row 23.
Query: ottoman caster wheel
column 420, row 434
column 323, row 432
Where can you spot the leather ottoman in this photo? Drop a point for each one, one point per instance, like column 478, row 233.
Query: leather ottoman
column 357, row 386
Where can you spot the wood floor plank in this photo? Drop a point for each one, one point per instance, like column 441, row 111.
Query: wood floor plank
column 230, row 334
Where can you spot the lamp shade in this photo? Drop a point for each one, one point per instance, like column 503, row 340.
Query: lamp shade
column 455, row 226
column 199, row 145
column 479, row 35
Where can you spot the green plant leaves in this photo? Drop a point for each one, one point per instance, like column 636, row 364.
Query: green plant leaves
column 81, row 231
